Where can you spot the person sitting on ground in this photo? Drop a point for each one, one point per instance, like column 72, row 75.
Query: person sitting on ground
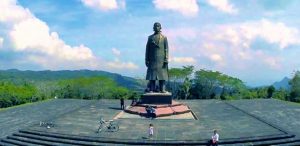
column 133, row 102
column 151, row 131
column 214, row 139
column 147, row 108
column 152, row 112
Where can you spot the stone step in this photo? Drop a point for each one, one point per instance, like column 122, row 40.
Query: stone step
column 14, row 142
column 294, row 143
column 81, row 140
column 78, row 140
column 22, row 140
column 271, row 142
column 93, row 141
column 264, row 140
column 32, row 141
column 2, row 143
column 50, row 139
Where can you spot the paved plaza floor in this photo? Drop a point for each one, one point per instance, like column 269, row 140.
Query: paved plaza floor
column 233, row 119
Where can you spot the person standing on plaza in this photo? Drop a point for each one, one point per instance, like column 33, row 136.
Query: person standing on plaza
column 122, row 103
column 151, row 131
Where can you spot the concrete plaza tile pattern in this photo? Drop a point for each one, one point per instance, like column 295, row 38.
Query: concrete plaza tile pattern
column 230, row 118
column 282, row 113
column 13, row 119
column 211, row 115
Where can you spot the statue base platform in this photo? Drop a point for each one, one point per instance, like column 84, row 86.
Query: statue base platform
column 161, row 110
column 156, row 98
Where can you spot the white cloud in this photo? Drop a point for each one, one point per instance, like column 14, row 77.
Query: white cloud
column 216, row 58
column 117, row 64
column 273, row 62
column 273, row 32
column 116, row 52
column 229, row 47
column 185, row 33
column 185, row 7
column 32, row 36
column 182, row 60
column 223, row 5
column 104, row 5
column 234, row 44
column 12, row 13
column 243, row 34
column 1, row 42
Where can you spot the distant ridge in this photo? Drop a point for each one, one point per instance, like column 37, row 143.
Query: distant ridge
column 284, row 84
column 47, row 75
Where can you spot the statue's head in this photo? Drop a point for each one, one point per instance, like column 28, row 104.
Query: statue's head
column 157, row 27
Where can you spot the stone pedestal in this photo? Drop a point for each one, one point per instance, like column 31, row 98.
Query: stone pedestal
column 156, row 98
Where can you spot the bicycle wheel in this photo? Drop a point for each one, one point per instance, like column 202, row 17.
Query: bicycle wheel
column 100, row 128
column 114, row 127
column 51, row 124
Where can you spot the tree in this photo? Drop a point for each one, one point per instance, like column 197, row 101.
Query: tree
column 91, row 88
column 15, row 94
column 187, row 71
column 174, row 75
column 270, row 91
column 295, row 88
column 206, row 81
column 186, row 86
column 281, row 94
column 209, row 84
column 180, row 81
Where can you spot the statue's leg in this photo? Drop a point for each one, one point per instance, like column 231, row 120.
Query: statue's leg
column 152, row 85
column 162, row 87
column 148, row 87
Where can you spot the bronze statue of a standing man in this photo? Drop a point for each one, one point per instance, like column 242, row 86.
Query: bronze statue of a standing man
column 157, row 59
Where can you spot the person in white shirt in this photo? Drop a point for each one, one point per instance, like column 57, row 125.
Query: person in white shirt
column 214, row 139
column 151, row 131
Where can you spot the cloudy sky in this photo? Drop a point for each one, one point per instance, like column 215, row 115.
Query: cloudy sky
column 257, row 41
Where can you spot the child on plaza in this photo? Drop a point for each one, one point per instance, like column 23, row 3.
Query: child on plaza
column 151, row 131
column 214, row 139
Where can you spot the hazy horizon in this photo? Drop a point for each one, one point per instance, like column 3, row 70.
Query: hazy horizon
column 140, row 77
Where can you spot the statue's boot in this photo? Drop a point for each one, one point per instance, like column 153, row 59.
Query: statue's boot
column 162, row 87
column 152, row 85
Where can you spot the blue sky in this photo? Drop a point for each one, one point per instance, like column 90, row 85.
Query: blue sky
column 257, row 41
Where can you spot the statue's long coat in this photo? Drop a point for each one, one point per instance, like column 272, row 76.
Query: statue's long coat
column 156, row 55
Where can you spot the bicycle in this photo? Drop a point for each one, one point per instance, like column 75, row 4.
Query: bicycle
column 111, row 125
column 46, row 124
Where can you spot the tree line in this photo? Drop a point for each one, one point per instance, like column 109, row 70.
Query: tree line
column 185, row 83
column 20, row 92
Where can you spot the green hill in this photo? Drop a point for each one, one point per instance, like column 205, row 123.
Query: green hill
column 16, row 76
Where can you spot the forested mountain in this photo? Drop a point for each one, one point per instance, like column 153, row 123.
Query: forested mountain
column 284, row 84
column 16, row 76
